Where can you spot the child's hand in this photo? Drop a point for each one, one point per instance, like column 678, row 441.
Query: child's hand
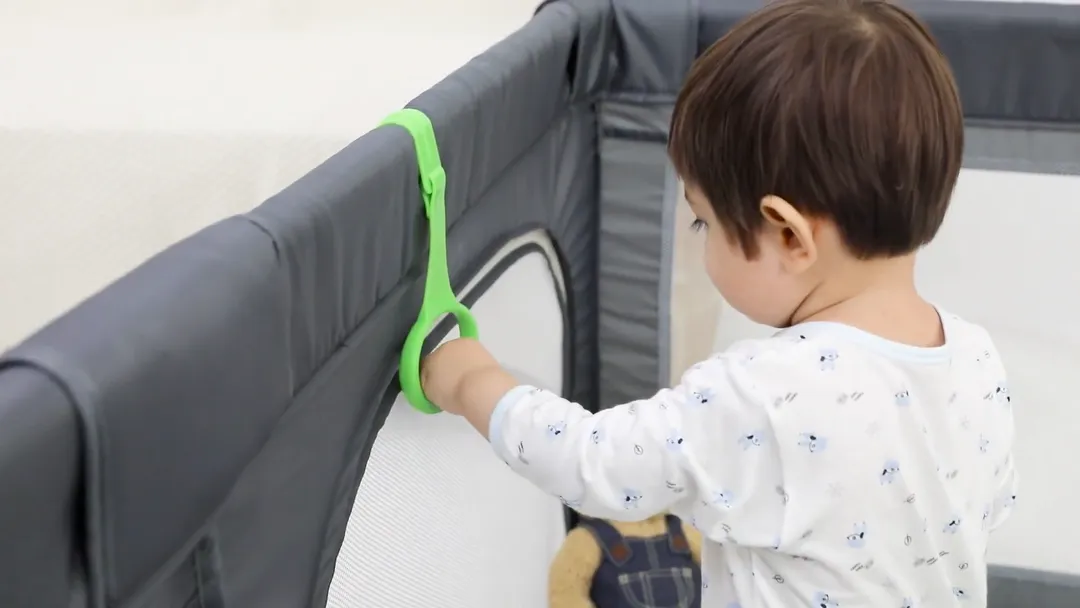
column 461, row 377
column 443, row 371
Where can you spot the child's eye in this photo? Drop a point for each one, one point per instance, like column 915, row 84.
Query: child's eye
column 697, row 225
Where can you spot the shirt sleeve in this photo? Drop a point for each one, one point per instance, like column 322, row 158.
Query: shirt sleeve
column 1006, row 495
column 1002, row 435
column 701, row 450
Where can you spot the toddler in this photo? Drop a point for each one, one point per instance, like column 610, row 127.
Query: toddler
column 859, row 457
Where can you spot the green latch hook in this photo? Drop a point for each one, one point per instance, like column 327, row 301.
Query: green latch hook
column 439, row 298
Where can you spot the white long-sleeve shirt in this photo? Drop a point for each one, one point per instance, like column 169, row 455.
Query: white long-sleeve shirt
column 824, row 466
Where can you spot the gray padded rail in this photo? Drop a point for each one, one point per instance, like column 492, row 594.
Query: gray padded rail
column 39, row 481
column 206, row 419
column 1014, row 62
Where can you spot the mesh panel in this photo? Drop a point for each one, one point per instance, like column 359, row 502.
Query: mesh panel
column 438, row 519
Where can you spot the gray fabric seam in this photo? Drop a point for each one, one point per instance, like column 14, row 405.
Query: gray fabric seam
column 667, row 261
column 1019, row 165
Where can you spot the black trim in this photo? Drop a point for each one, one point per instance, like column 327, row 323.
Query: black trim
column 208, row 574
column 568, row 304
column 389, row 395
column 490, row 278
column 651, row 137
column 443, row 327
column 1019, row 125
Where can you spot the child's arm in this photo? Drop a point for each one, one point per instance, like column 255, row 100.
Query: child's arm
column 1005, row 473
column 1007, row 482
column 572, row 571
column 624, row 463
column 702, row 448
column 1003, row 503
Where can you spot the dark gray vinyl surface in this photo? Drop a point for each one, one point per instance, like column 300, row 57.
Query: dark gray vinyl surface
column 1014, row 61
column 201, row 426
column 39, row 481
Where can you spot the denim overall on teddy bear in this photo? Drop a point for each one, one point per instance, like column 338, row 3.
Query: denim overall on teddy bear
column 649, row 572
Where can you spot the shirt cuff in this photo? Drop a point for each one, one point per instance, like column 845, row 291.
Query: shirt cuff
column 505, row 404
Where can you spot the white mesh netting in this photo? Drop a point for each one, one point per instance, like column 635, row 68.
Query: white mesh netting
column 438, row 519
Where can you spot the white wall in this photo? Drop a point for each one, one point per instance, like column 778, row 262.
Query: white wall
column 1007, row 258
column 125, row 128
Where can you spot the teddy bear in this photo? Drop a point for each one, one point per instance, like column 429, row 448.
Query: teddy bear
column 653, row 563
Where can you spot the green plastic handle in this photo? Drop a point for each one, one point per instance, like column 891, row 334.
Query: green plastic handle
column 439, row 298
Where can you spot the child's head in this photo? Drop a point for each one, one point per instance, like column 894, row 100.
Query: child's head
column 816, row 136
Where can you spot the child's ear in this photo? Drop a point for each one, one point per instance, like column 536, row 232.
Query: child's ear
column 793, row 233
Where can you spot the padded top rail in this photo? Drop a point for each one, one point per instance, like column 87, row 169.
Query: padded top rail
column 141, row 365
column 182, row 371
column 1014, row 61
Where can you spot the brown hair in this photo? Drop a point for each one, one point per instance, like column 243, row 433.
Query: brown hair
column 846, row 109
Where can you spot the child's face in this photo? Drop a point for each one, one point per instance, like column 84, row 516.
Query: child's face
column 763, row 289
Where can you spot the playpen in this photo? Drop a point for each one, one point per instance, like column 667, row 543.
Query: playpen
column 222, row 427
